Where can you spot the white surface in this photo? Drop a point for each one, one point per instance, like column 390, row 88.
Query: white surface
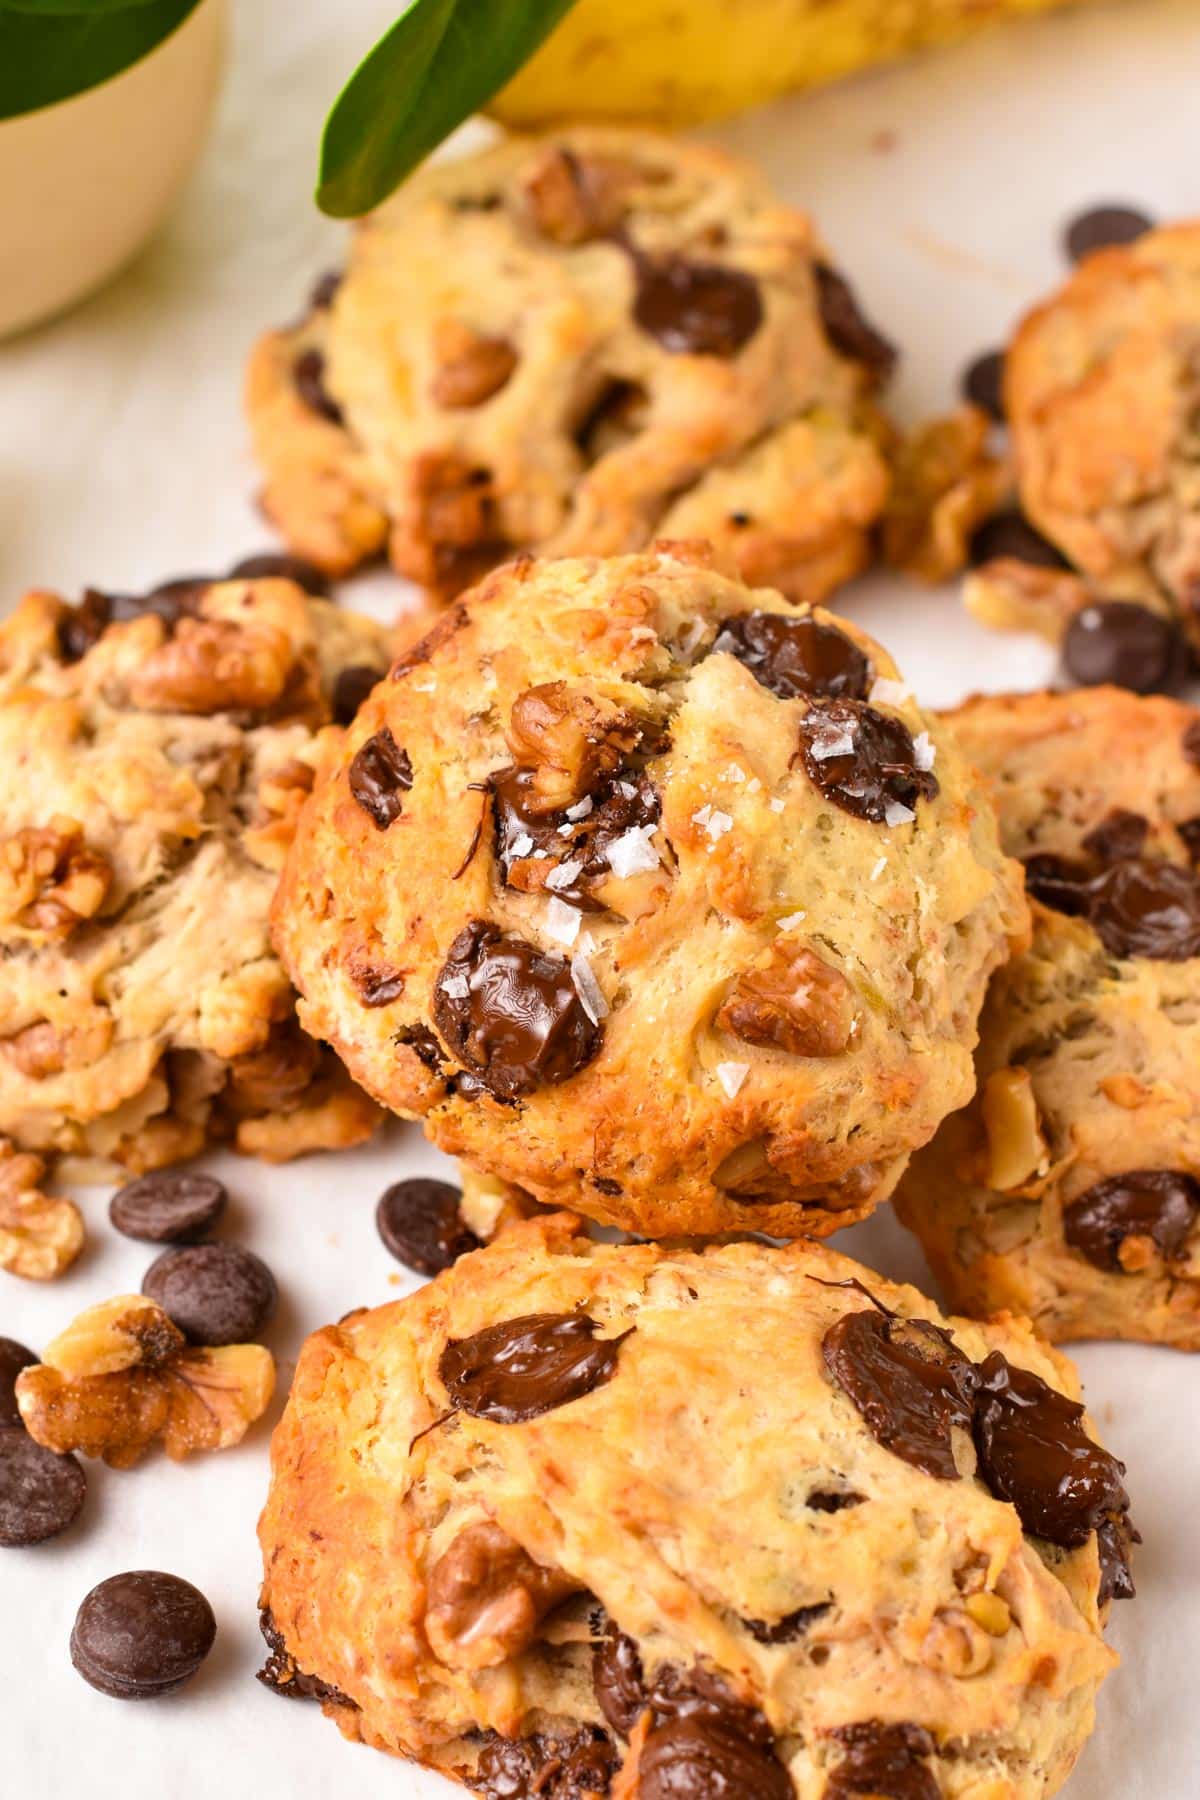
column 123, row 460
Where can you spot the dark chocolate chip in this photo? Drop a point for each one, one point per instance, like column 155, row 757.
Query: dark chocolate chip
column 524, row 1367
column 1010, row 534
column 793, row 1625
column 540, row 1767
column 696, row 309
column 619, row 1679
column 380, row 774
column 910, row 1383
column 881, row 1760
column 278, row 565
column 40, row 1493
column 510, row 1013
column 1149, row 1203
column 215, row 1293
column 377, row 983
column 694, row 1757
column 827, row 1500
column 324, row 289
column 13, row 1358
column 862, row 760
column 1101, row 227
column 351, row 688
column 420, row 1224
column 1058, row 882
column 792, row 656
column 983, row 383
column 1114, row 1538
column 624, row 802
column 1146, row 907
column 1121, row 642
column 846, row 327
column 308, row 374
column 82, row 626
column 280, row 1674
column 1119, row 835
column 169, row 1206
column 143, row 1634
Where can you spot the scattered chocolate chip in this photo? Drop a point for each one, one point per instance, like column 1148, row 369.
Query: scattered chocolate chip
column 324, row 289
column 881, row 1759
column 793, row 1625
column 40, row 1493
column 1101, row 227
column 847, row 329
column 863, row 760
column 1010, row 534
column 541, row 1767
column 143, row 1634
column 308, row 374
column 1119, row 835
column 215, row 1293
column 619, row 1679
column 792, row 656
column 377, row 984
column 511, row 1013
column 420, row 1224
column 351, row 688
column 169, row 1206
column 280, row 1674
column 1147, row 907
column 827, row 1501
column 13, row 1358
column 380, row 774
column 910, row 1383
column 524, row 1367
column 1121, row 642
column 1158, row 1204
column 983, row 384
column 278, row 565
column 696, row 309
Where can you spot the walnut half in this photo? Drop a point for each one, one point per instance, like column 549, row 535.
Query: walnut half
column 487, row 1597
column 569, row 740
column 793, row 1001
column 40, row 1234
column 122, row 1375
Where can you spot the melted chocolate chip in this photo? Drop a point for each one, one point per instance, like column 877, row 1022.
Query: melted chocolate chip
column 1010, row 534
column 1114, row 1537
column 278, row 565
column 524, row 1367
column 142, row 1634
column 619, row 1679
column 908, row 1380
column 1058, row 882
column 379, row 775
column 846, row 327
column 1151, row 1203
column 82, row 626
column 13, row 1358
column 793, row 1625
column 1124, row 643
column 1189, row 831
column 168, row 1206
column 308, row 374
column 983, row 384
column 511, row 1013
column 1147, row 907
column 862, row 760
column 525, row 836
column 541, row 1767
column 378, row 984
column 351, row 688
column 420, row 1224
column 1102, row 227
column 792, row 656
column 698, row 1757
column 884, row 1760
column 1118, row 836
column 280, row 1674
column 696, row 309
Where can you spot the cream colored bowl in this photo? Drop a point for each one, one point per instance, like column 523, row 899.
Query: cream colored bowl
column 83, row 183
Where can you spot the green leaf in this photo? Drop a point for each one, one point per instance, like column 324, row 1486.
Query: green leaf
column 51, row 50
column 440, row 61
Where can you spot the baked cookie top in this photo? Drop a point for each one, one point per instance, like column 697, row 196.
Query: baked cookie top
column 635, row 883
column 1068, row 1188
column 154, row 752
column 646, row 1520
column 574, row 344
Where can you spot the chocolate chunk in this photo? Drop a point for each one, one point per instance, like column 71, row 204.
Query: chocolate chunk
column 983, row 384
column 215, row 1293
column 527, row 1366
column 1146, row 907
column 308, row 374
column 619, row 1679
column 279, row 565
column 13, row 1358
column 1149, row 1203
column 380, row 774
column 1034, row 1452
column 540, row 1767
column 792, row 656
column 847, row 329
column 142, row 1634
column 1121, row 642
column 909, row 1381
column 1119, row 835
column 324, row 289
column 828, row 1501
column 1114, row 1537
column 280, row 1674
column 40, row 1493
column 863, row 760
column 421, row 1226
column 351, row 688
column 793, row 1625
column 881, row 1759
column 81, row 627
column 1009, row 533
column 525, row 836
column 377, row 983
column 84, row 625
column 511, row 1013
column 169, row 1206
column 1102, row 227
column 710, row 1751
column 1058, row 882
column 696, row 309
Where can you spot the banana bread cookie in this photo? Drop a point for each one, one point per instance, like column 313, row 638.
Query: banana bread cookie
column 537, row 1527
column 573, row 344
column 1070, row 1188
column 154, row 752
column 637, row 883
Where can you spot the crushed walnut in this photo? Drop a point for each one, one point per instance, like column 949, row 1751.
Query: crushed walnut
column 215, row 665
column 40, row 1234
column 486, row 1598
column 471, row 368
column 945, row 483
column 569, row 740
column 572, row 199
column 281, row 793
column 1011, row 595
column 793, row 1001
column 50, row 882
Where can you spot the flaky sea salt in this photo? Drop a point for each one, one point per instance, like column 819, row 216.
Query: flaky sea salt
column 776, row 805
column 840, row 743
column 520, row 847
column 731, row 1076
column 885, row 692
column 591, row 997
column 633, row 853
column 562, row 921
column 790, row 919
column 580, row 810
column 456, row 987
column 924, row 752
column 896, row 814
column 735, row 772
column 627, row 788
column 565, row 874
column 880, row 866
column 715, row 822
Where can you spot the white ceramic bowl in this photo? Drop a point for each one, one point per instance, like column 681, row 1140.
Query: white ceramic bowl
column 83, row 183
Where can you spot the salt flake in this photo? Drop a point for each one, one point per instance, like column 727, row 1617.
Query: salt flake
column 885, row 692
column 520, row 847
column 633, row 853
column 790, row 919
column 565, row 874
column 580, row 810
column 896, row 814
column 731, row 1076
column 562, row 921
column 924, row 751
column 591, row 996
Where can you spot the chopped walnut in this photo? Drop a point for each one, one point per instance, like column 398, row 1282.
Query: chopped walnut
column 444, row 517
column 1017, row 1151
column 793, row 1002
column 954, row 1644
column 572, row 198
column 40, row 1234
column 215, row 665
column 50, row 882
column 486, row 1598
column 471, row 368
column 1011, row 595
column 274, row 1078
column 945, row 483
column 281, row 793
column 122, row 1375
column 569, row 740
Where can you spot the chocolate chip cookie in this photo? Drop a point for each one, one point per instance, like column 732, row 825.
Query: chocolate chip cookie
column 638, row 884
column 154, row 752
column 1069, row 1189
column 573, row 344
column 580, row 1519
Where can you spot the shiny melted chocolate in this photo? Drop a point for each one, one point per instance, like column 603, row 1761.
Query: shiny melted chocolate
column 908, row 1380
column 793, row 656
column 580, row 1766
column 1140, row 906
column 380, row 775
column 625, row 802
column 696, row 1758
column 891, row 1760
column 524, row 1367
column 1160, row 1204
column 846, row 327
column 280, row 1674
column 619, row 1679
column 696, row 309
column 862, row 760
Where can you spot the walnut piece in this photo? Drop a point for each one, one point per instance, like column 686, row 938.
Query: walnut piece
column 945, row 483
column 50, row 881
column 281, row 794
column 572, row 198
column 486, row 1598
column 1017, row 1151
column 446, row 514
column 471, row 368
column 794, row 1002
column 43, row 1048
column 122, row 1375
column 569, row 740
column 40, row 1234
column 274, row 1078
column 215, row 665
